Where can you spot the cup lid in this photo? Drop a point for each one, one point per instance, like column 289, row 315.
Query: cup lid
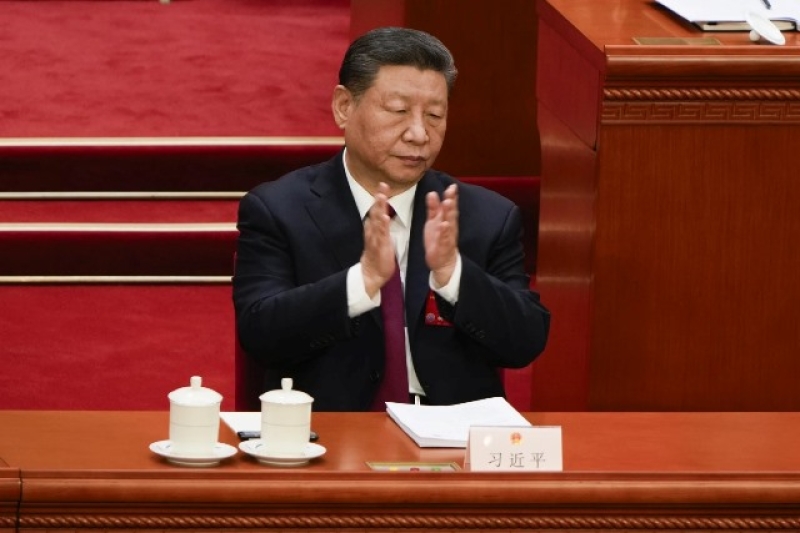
column 764, row 27
column 195, row 394
column 285, row 395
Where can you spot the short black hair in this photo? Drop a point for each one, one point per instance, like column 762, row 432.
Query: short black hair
column 393, row 46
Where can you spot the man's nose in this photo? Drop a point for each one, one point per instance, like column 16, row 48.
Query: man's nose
column 416, row 131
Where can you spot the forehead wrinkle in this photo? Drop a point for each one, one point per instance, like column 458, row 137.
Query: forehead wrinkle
column 388, row 96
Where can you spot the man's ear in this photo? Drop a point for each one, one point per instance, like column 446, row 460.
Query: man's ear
column 342, row 105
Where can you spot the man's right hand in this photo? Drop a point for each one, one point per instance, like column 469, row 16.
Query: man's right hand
column 378, row 258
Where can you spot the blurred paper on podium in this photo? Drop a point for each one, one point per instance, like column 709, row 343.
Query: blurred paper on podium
column 447, row 426
column 242, row 420
column 730, row 15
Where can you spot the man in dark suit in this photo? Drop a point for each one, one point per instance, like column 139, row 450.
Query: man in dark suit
column 318, row 247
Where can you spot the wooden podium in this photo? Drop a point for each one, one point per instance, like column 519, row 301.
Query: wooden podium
column 71, row 471
column 669, row 212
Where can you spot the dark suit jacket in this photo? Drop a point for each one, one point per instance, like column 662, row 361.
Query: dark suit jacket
column 298, row 237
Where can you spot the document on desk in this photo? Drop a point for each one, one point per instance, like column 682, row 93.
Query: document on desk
column 447, row 426
column 729, row 15
column 242, row 420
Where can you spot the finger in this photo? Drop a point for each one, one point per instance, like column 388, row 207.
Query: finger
column 378, row 217
column 450, row 202
column 433, row 204
column 382, row 199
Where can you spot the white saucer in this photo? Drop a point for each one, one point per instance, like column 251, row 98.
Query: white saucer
column 221, row 451
column 255, row 448
column 764, row 27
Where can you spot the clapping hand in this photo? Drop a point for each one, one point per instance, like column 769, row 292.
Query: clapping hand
column 441, row 234
column 378, row 258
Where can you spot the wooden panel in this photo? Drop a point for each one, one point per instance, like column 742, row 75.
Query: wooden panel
column 492, row 120
column 681, row 213
column 564, row 274
column 572, row 88
column 695, row 286
column 721, row 471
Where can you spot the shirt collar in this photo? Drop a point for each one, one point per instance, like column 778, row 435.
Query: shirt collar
column 402, row 203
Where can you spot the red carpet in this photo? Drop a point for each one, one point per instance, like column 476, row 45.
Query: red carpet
column 88, row 68
column 113, row 346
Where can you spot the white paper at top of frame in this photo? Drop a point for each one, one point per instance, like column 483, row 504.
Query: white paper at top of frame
column 514, row 449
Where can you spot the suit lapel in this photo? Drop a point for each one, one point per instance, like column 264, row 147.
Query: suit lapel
column 335, row 215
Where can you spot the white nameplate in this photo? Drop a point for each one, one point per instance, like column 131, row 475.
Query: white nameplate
column 514, row 449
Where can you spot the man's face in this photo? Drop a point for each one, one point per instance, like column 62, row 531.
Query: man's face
column 394, row 132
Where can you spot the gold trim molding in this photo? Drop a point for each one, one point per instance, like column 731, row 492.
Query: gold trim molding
column 111, row 280
column 701, row 105
column 121, row 195
column 120, row 227
column 708, row 112
column 168, row 141
column 505, row 522
column 702, row 93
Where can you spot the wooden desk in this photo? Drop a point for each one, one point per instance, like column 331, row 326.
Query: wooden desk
column 93, row 470
column 10, row 495
column 668, row 226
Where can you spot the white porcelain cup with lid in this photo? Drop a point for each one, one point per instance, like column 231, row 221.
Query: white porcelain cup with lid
column 285, row 420
column 194, row 419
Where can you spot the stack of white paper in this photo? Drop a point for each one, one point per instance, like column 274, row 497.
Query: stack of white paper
column 242, row 420
column 447, row 426
column 730, row 15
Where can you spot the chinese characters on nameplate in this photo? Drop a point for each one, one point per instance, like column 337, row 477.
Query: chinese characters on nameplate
column 514, row 449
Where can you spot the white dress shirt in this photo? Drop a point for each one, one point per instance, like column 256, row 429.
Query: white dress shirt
column 358, row 301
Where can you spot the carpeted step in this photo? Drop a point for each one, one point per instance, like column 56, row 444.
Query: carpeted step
column 119, row 236
column 147, row 208
column 117, row 249
column 180, row 164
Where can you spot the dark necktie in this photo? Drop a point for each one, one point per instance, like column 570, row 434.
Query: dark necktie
column 394, row 387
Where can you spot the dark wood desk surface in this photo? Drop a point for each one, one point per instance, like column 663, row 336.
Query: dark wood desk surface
column 43, row 442
column 617, row 24
column 665, row 470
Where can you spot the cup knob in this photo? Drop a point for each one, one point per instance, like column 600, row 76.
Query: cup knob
column 195, row 394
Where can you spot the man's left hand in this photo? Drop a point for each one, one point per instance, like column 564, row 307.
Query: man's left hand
column 441, row 234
